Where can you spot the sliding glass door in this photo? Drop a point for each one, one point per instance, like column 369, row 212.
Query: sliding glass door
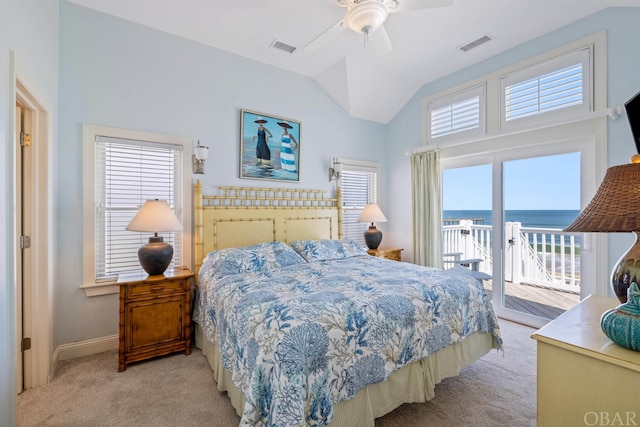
column 504, row 213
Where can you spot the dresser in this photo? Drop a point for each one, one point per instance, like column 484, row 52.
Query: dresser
column 155, row 315
column 386, row 252
column 583, row 377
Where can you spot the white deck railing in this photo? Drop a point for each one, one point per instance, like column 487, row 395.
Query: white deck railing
column 541, row 256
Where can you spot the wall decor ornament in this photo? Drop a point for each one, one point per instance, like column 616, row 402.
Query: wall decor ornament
column 269, row 147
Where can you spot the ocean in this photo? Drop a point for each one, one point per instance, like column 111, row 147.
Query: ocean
column 529, row 218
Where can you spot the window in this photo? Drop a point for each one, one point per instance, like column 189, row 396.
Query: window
column 561, row 87
column 359, row 185
column 126, row 169
column 462, row 112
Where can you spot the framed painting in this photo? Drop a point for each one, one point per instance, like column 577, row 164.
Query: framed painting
column 269, row 147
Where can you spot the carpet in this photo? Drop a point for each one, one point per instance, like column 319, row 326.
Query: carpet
column 497, row 390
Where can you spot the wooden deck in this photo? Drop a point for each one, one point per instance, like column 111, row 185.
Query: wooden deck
column 536, row 300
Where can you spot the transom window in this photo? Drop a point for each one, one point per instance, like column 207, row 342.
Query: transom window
column 561, row 87
column 459, row 113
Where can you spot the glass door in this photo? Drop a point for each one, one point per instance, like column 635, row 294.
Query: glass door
column 505, row 211
column 468, row 219
column 541, row 263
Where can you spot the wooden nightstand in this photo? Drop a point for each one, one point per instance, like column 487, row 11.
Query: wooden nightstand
column 384, row 252
column 155, row 315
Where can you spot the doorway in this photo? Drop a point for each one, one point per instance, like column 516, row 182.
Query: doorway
column 32, row 225
column 514, row 205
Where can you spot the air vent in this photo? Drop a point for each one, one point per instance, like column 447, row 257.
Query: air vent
column 482, row 40
column 283, row 46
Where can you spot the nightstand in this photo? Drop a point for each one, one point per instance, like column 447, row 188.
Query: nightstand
column 384, row 252
column 583, row 376
column 155, row 315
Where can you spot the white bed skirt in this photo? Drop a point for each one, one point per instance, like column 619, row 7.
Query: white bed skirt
column 413, row 383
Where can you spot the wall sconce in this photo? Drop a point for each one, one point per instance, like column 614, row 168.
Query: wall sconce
column 201, row 154
column 335, row 171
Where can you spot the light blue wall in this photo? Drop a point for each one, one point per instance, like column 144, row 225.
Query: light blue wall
column 119, row 74
column 623, row 77
column 29, row 29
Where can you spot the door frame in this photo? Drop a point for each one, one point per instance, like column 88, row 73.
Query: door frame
column 592, row 158
column 588, row 259
column 36, row 321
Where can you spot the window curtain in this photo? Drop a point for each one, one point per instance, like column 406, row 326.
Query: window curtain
column 426, row 202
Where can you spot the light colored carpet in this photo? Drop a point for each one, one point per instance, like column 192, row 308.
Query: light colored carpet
column 497, row 390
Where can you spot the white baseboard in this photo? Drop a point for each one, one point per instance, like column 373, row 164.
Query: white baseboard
column 85, row 348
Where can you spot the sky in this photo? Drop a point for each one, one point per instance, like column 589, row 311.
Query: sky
column 547, row 183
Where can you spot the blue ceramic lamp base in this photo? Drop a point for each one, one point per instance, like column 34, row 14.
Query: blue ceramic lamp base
column 622, row 324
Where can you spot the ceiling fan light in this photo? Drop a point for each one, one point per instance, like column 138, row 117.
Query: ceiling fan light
column 366, row 16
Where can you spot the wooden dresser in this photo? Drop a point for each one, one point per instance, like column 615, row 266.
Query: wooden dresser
column 583, row 377
column 155, row 315
column 385, row 252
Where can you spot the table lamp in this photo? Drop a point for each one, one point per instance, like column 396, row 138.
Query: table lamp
column 372, row 236
column 155, row 216
column 616, row 208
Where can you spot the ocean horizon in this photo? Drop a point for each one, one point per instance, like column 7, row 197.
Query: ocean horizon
column 528, row 218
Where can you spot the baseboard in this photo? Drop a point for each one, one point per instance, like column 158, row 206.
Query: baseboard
column 85, row 348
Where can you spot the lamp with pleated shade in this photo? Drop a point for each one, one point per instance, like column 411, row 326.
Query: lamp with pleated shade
column 155, row 216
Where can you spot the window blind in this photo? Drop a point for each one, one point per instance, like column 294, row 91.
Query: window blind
column 558, row 89
column 358, row 189
column 128, row 173
column 561, row 86
column 456, row 117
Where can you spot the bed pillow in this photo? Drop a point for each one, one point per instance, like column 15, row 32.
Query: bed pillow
column 325, row 250
column 260, row 257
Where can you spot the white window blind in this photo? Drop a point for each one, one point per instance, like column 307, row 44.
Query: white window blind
column 561, row 84
column 127, row 173
column 453, row 114
column 358, row 188
column 456, row 117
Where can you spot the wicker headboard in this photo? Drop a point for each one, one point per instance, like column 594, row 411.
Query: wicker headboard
column 242, row 216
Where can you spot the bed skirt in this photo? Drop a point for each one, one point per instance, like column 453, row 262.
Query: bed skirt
column 413, row 383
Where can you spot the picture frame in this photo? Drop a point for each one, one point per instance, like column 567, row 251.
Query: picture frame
column 269, row 147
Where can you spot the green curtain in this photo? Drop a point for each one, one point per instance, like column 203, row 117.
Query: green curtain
column 426, row 202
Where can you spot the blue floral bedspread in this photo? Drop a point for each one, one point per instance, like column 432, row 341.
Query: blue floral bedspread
column 301, row 337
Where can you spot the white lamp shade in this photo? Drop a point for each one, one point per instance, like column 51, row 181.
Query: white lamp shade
column 201, row 152
column 371, row 213
column 155, row 216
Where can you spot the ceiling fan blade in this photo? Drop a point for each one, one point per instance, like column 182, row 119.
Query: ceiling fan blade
column 380, row 41
column 324, row 37
column 404, row 5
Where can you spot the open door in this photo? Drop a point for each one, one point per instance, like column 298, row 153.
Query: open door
column 32, row 224
column 19, row 308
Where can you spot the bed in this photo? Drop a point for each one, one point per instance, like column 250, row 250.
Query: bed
column 302, row 327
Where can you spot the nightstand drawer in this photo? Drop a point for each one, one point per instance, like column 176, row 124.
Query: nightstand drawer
column 395, row 255
column 392, row 254
column 162, row 287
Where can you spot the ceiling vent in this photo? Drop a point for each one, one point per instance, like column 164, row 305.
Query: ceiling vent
column 482, row 40
column 283, row 46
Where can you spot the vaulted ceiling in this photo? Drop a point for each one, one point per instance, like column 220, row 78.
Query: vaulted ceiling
column 425, row 38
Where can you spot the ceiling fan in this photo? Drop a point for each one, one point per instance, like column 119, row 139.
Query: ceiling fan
column 367, row 17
